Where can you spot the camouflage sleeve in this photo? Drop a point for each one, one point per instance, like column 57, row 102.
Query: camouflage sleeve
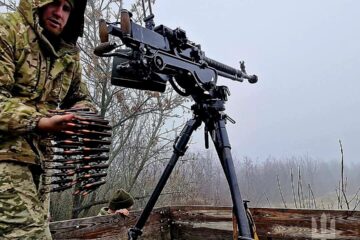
column 78, row 93
column 103, row 211
column 15, row 117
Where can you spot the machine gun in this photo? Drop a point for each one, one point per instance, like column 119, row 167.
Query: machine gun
column 156, row 55
column 149, row 57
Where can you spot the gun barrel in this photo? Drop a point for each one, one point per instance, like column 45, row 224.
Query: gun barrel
column 230, row 72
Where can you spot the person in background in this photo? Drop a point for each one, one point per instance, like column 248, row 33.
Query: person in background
column 120, row 203
column 39, row 71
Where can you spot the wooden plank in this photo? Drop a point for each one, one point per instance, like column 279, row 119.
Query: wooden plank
column 112, row 227
column 201, row 222
column 196, row 222
column 307, row 224
column 210, row 223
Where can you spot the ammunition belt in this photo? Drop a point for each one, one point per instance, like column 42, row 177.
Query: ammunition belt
column 77, row 159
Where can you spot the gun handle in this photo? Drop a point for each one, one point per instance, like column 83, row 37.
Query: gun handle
column 103, row 31
column 125, row 22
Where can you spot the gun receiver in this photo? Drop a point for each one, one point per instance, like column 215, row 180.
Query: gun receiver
column 154, row 56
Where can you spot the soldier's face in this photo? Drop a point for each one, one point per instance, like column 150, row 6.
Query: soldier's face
column 55, row 15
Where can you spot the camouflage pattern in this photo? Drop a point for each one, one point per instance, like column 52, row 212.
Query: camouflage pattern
column 22, row 215
column 103, row 211
column 34, row 78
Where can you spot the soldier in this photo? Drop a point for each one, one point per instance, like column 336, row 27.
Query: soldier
column 120, row 203
column 39, row 70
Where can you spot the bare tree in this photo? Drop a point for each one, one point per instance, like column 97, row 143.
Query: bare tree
column 8, row 5
column 144, row 123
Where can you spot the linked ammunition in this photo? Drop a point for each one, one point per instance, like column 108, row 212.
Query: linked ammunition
column 77, row 157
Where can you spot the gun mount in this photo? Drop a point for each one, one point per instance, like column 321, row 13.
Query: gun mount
column 149, row 57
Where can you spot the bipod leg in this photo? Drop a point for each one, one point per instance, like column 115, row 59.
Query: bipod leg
column 179, row 150
column 223, row 148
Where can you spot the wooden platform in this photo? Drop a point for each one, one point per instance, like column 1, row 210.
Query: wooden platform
column 210, row 223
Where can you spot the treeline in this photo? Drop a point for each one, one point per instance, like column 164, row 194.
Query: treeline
column 198, row 179
column 296, row 182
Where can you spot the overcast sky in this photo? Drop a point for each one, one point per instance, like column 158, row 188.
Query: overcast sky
column 307, row 56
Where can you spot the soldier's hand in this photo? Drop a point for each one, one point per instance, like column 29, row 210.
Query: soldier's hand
column 56, row 123
column 123, row 211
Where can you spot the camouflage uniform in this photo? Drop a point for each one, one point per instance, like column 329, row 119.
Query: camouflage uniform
column 104, row 211
column 119, row 200
column 22, row 215
column 34, row 77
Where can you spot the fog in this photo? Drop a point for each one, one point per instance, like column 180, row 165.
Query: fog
column 306, row 54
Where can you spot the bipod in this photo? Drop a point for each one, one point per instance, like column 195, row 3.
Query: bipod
column 211, row 113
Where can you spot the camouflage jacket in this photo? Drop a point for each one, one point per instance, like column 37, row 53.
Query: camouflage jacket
column 34, row 77
column 104, row 211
